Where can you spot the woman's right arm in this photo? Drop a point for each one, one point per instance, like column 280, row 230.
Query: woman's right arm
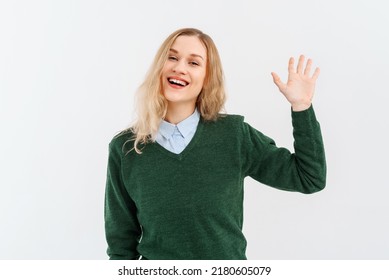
column 122, row 228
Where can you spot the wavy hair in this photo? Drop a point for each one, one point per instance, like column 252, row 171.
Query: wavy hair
column 151, row 104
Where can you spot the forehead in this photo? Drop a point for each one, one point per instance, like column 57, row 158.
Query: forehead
column 187, row 45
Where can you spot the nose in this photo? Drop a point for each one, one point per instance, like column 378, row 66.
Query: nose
column 180, row 67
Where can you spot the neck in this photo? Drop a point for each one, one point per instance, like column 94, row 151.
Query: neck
column 178, row 113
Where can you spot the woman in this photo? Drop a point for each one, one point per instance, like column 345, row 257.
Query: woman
column 175, row 178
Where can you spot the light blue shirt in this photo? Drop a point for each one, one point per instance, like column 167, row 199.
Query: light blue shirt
column 175, row 138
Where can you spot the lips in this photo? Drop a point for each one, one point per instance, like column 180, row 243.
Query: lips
column 176, row 81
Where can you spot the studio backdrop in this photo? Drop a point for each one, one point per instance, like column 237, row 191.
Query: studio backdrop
column 68, row 74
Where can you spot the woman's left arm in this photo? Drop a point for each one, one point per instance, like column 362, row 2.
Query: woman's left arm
column 302, row 171
column 305, row 169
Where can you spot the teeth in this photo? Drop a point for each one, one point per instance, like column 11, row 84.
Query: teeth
column 178, row 82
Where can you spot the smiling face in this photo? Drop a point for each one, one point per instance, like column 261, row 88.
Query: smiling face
column 184, row 71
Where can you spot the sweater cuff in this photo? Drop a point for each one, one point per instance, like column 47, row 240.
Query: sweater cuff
column 301, row 118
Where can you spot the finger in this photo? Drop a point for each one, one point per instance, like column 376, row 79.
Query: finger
column 291, row 65
column 316, row 73
column 300, row 64
column 308, row 67
column 277, row 81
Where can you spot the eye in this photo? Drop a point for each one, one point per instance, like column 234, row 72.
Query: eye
column 172, row 58
column 194, row 63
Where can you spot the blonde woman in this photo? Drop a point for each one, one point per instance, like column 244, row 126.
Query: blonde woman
column 175, row 178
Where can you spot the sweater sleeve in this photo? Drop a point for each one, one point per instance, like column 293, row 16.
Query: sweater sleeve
column 302, row 171
column 122, row 228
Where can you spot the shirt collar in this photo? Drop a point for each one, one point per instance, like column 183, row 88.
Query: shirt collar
column 189, row 124
column 166, row 129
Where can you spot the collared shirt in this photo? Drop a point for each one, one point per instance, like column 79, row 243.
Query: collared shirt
column 175, row 138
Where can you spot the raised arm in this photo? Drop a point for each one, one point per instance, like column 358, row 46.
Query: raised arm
column 304, row 170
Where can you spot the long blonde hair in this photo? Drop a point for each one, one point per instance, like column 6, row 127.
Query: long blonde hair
column 151, row 105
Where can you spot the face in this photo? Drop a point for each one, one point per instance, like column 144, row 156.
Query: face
column 184, row 71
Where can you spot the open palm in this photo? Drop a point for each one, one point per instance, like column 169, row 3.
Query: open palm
column 300, row 86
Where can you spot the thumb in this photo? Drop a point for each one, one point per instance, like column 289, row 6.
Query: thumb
column 277, row 80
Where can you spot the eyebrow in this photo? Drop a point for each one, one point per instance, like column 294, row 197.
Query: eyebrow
column 192, row 54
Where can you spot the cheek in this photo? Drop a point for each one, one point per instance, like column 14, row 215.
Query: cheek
column 165, row 69
column 201, row 79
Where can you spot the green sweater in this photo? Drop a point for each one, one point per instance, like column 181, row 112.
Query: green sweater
column 162, row 205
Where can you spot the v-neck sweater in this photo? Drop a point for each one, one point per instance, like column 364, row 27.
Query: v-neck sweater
column 162, row 205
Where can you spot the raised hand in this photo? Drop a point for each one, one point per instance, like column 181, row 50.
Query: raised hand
column 300, row 86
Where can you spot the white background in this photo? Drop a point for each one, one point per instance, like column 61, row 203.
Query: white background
column 68, row 72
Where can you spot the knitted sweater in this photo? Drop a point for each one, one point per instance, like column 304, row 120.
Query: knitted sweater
column 161, row 205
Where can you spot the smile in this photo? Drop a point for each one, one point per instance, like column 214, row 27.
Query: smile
column 177, row 82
